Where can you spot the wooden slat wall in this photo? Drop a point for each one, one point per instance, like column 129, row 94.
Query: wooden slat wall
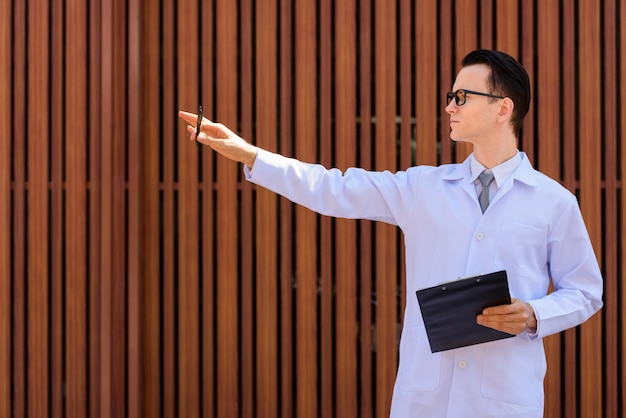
column 306, row 240
column 615, row 282
column 141, row 275
column 17, row 249
column 75, row 177
column 590, row 160
column 547, row 98
column 264, row 213
column 365, row 268
column 6, row 262
column 611, row 214
column 385, row 247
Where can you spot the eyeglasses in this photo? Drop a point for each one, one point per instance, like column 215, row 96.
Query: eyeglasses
column 460, row 96
column 199, row 122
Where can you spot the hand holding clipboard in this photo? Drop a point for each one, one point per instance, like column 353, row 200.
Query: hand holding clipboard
column 449, row 310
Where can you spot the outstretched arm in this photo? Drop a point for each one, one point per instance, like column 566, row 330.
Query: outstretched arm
column 221, row 139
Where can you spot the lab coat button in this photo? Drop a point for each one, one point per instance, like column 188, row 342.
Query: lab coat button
column 480, row 236
column 462, row 364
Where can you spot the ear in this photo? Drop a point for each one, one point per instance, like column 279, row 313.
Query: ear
column 506, row 108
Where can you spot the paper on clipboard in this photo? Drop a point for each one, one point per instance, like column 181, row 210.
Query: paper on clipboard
column 449, row 310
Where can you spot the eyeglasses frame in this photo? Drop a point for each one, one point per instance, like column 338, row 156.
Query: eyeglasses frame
column 454, row 95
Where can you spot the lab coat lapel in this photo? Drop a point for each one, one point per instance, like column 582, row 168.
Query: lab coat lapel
column 462, row 173
column 524, row 173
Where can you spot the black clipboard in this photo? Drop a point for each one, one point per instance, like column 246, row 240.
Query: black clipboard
column 449, row 310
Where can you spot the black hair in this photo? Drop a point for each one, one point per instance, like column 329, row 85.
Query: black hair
column 508, row 78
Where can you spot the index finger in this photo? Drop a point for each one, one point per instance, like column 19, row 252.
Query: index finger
column 513, row 307
column 188, row 117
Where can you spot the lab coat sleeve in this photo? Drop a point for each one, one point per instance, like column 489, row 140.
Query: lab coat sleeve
column 575, row 276
column 355, row 193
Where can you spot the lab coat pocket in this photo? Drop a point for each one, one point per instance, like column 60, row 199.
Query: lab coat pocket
column 513, row 372
column 520, row 249
column 419, row 369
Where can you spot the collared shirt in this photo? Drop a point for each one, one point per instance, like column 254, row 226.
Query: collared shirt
column 534, row 230
column 500, row 173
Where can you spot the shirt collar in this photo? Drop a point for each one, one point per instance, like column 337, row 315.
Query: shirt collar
column 500, row 172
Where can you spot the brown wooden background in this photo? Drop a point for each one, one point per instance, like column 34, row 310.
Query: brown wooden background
column 140, row 276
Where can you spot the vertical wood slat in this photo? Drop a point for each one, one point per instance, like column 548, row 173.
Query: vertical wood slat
column 590, row 120
column 286, row 129
column 527, row 58
column 76, row 211
column 94, row 138
column 170, row 141
column 622, row 175
column 106, row 218
column 547, row 99
column 188, row 383
column 134, row 211
column 426, row 91
column 325, row 139
column 209, row 337
column 247, row 384
column 37, row 210
column 6, row 48
column 119, row 202
column 227, row 289
column 568, row 394
column 57, row 194
column 507, row 30
column 547, row 89
column 567, row 106
column 611, row 214
column 367, row 394
column 466, row 40
column 406, row 122
column 150, row 254
column 405, row 82
column 18, row 368
column 286, row 239
column 247, row 312
column 385, row 247
column 18, row 295
column 325, row 134
column 266, row 344
column 306, row 278
column 113, row 268
column 345, row 237
column 486, row 34
column 447, row 75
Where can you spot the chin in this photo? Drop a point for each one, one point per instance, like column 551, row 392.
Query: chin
column 456, row 139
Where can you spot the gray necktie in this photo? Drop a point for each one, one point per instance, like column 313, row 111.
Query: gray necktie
column 486, row 177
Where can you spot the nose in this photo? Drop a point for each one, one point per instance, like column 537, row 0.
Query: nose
column 451, row 107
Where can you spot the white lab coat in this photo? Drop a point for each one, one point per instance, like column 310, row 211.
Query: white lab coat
column 533, row 228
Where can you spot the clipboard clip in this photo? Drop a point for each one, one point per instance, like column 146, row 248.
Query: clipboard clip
column 469, row 276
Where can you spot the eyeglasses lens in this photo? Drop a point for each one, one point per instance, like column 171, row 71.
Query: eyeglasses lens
column 458, row 96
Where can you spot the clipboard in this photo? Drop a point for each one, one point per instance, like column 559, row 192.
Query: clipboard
column 449, row 310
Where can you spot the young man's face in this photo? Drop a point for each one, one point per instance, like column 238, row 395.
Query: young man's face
column 473, row 121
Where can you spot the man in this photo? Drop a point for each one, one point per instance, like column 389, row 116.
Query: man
column 523, row 222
